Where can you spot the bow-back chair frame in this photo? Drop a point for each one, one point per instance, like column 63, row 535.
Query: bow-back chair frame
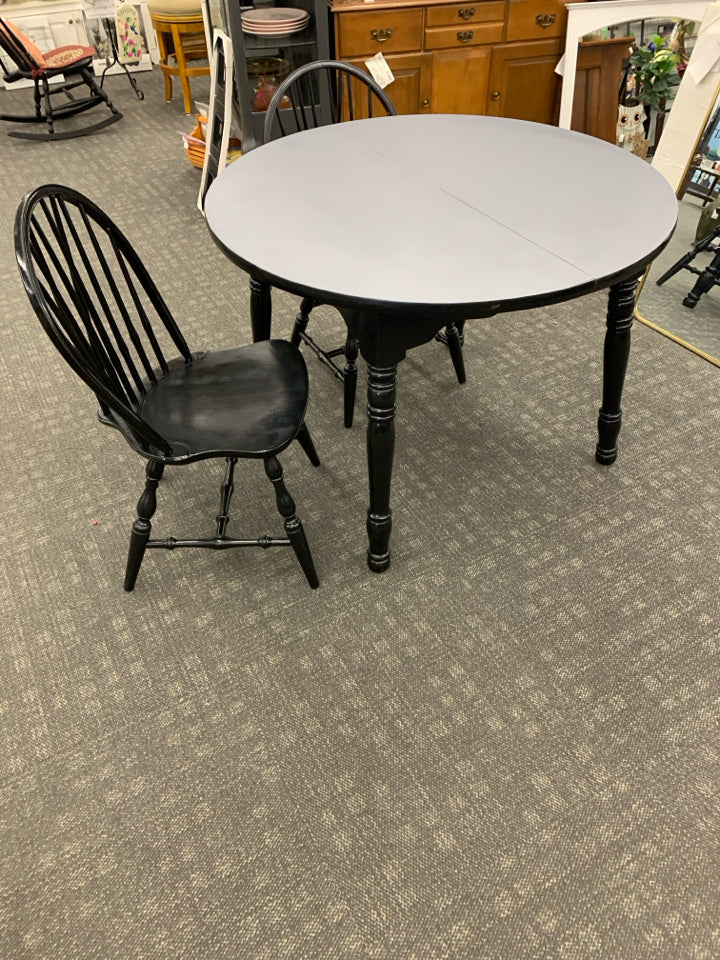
column 71, row 62
column 302, row 102
column 102, row 311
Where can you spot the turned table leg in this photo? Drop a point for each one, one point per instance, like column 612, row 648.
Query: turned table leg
column 621, row 305
column 260, row 309
column 380, row 449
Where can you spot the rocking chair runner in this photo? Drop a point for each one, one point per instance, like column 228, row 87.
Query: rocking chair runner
column 73, row 63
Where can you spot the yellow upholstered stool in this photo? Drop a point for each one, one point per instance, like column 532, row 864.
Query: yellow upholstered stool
column 181, row 38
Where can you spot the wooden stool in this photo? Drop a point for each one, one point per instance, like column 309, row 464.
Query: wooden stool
column 181, row 38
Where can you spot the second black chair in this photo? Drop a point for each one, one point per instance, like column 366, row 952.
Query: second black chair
column 316, row 94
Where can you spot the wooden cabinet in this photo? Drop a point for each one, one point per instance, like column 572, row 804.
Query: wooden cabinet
column 391, row 31
column 460, row 81
column 494, row 57
column 411, row 88
column 523, row 82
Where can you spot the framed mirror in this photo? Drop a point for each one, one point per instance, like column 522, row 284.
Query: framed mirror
column 679, row 296
column 686, row 150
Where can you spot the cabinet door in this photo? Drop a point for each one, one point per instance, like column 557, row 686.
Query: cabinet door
column 410, row 91
column 597, row 81
column 460, row 80
column 523, row 82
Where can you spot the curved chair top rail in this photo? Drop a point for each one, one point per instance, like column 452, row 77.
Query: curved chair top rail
column 311, row 105
column 97, row 303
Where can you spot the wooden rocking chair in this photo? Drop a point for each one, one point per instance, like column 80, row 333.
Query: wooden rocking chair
column 73, row 63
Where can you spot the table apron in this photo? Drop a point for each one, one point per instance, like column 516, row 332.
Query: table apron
column 385, row 338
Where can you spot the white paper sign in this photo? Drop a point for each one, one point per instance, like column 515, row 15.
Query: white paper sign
column 380, row 71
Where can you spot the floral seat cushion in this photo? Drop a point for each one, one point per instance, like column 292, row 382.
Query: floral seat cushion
column 65, row 56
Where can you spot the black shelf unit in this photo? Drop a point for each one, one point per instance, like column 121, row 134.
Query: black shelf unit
column 312, row 43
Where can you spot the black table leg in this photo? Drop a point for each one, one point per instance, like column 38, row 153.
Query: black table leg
column 621, row 305
column 380, row 449
column 260, row 309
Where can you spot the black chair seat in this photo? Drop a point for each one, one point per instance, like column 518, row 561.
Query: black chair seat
column 244, row 402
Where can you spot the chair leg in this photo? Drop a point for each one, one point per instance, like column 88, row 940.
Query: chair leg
column 182, row 68
column 226, row 492
column 293, row 526
column 99, row 92
column 350, row 379
column 301, row 321
column 147, row 504
column 38, row 101
column 48, row 106
column 454, row 340
column 164, row 51
column 305, row 441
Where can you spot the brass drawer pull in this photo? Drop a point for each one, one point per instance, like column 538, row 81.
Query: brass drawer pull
column 545, row 20
column 495, row 95
column 466, row 12
column 381, row 35
column 465, row 35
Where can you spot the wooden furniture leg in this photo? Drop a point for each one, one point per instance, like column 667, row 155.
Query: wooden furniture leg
column 142, row 528
column 260, row 309
column 164, row 59
column 380, row 450
column 621, row 305
column 182, row 68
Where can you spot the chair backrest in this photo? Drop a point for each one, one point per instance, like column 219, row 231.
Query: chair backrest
column 98, row 304
column 21, row 50
column 324, row 92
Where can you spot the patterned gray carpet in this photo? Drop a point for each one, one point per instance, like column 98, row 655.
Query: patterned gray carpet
column 506, row 748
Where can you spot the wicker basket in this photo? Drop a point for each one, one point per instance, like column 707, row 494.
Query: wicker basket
column 195, row 145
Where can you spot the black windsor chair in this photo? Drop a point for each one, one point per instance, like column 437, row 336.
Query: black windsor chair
column 330, row 91
column 102, row 311
column 74, row 63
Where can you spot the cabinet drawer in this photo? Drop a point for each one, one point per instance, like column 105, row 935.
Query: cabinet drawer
column 459, row 13
column 441, row 38
column 536, row 19
column 390, row 31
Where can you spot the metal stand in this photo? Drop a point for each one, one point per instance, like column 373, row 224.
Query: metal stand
column 109, row 25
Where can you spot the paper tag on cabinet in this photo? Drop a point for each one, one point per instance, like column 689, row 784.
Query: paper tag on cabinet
column 379, row 70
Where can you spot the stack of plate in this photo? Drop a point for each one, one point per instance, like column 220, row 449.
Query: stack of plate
column 274, row 21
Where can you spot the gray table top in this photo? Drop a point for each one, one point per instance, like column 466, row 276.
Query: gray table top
column 440, row 210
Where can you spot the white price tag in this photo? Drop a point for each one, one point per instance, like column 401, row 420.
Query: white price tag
column 379, row 70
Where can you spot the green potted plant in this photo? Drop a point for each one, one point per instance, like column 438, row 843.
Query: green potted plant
column 655, row 72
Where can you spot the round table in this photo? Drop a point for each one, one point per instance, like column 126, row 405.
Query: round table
column 408, row 224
